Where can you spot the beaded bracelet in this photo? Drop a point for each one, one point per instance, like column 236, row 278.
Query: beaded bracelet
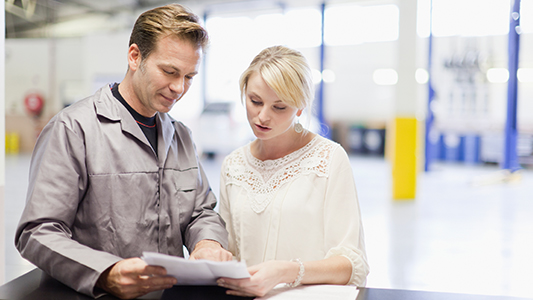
column 301, row 273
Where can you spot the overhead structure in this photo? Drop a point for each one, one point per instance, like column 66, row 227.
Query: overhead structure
column 25, row 10
column 40, row 18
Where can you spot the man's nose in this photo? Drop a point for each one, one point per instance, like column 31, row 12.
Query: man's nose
column 177, row 86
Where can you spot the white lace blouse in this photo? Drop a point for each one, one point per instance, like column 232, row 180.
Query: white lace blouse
column 303, row 205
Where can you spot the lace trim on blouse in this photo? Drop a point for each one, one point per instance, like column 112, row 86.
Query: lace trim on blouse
column 262, row 179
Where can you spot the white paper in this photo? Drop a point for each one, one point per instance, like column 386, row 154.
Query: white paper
column 312, row 292
column 196, row 272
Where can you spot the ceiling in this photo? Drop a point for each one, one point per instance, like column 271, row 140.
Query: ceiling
column 75, row 18
column 68, row 18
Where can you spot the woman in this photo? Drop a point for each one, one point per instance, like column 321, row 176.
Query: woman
column 289, row 198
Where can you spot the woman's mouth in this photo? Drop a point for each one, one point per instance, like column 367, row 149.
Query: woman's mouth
column 262, row 128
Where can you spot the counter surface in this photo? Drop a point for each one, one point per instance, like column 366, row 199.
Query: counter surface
column 37, row 285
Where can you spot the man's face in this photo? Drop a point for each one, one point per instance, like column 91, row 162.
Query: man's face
column 161, row 79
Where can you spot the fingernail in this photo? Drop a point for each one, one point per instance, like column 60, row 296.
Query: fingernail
column 221, row 283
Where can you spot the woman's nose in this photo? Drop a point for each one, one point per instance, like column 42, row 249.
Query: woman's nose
column 263, row 115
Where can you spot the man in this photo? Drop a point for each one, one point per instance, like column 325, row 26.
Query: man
column 114, row 175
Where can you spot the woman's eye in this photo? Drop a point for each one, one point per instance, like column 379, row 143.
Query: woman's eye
column 255, row 102
column 279, row 107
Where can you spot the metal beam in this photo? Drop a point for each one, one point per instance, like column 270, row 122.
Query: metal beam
column 510, row 155
column 430, row 117
column 324, row 129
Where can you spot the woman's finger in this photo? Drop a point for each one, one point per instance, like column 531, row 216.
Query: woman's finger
column 239, row 293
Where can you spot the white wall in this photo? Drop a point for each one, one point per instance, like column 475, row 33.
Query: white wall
column 354, row 97
column 79, row 66
column 27, row 70
column 52, row 67
column 66, row 70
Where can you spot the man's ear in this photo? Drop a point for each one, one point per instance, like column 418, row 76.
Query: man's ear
column 134, row 57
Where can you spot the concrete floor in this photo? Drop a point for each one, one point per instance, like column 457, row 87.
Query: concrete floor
column 470, row 230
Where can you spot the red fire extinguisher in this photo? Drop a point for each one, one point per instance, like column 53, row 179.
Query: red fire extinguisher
column 34, row 103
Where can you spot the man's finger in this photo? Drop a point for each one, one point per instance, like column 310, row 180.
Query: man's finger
column 154, row 271
column 157, row 280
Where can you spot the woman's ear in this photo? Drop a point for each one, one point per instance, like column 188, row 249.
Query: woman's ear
column 299, row 112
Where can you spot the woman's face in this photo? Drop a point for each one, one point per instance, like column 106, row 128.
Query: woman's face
column 268, row 116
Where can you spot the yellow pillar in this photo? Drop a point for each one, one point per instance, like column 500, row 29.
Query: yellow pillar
column 404, row 167
column 405, row 133
column 12, row 143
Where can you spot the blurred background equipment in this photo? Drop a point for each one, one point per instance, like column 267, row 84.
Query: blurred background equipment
column 223, row 127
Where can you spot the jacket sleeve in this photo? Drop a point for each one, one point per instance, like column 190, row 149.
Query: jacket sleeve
column 57, row 183
column 225, row 211
column 206, row 223
column 343, row 226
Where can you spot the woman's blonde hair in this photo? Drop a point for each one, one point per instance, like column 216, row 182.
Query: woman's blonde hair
column 286, row 72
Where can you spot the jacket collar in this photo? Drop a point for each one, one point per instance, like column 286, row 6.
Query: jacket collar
column 166, row 128
column 110, row 108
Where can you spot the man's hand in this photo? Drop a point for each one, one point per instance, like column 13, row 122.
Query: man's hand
column 211, row 250
column 132, row 277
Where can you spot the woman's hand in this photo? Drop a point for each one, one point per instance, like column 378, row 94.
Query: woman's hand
column 264, row 277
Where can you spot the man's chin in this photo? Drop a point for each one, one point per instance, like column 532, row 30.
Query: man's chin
column 165, row 109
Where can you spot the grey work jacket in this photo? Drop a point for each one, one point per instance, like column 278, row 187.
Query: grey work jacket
column 98, row 193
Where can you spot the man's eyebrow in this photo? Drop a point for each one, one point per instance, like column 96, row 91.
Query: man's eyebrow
column 177, row 69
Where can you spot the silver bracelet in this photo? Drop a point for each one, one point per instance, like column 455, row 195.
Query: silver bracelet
column 301, row 273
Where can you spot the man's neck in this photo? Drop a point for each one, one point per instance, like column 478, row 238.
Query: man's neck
column 126, row 90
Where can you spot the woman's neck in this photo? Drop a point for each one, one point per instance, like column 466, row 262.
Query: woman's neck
column 281, row 146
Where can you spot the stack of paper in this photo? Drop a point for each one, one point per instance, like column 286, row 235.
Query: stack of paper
column 196, row 272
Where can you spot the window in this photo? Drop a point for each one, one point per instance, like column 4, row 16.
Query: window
column 465, row 17
column 355, row 24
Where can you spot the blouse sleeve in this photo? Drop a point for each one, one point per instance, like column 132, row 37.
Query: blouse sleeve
column 343, row 225
column 225, row 210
